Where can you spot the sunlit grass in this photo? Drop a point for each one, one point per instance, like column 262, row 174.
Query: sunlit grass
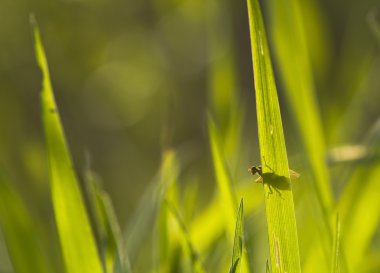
column 328, row 221
column 282, row 230
column 77, row 242
column 111, row 241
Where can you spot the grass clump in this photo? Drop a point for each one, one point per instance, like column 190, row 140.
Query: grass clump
column 187, row 220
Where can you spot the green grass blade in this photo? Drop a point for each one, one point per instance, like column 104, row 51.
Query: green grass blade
column 149, row 209
column 361, row 218
column 141, row 222
column 114, row 257
column 238, row 242
column 282, row 230
column 224, row 181
column 267, row 268
column 77, row 242
column 224, row 101
column 223, row 177
column 335, row 268
column 293, row 58
column 167, row 236
column 20, row 233
column 359, row 205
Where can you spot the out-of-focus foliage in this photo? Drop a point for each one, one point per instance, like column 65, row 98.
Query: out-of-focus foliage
column 158, row 96
column 21, row 233
column 238, row 241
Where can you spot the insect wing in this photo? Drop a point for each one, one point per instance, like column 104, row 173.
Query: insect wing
column 259, row 180
column 257, row 169
column 293, row 175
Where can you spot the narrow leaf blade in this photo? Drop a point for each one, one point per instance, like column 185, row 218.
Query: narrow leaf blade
column 223, row 177
column 238, row 242
column 224, row 181
column 293, row 58
column 282, row 231
column 114, row 257
column 76, row 238
column 335, row 268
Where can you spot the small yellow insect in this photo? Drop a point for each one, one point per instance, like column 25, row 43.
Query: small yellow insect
column 258, row 169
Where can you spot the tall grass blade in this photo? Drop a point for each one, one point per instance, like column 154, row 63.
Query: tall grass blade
column 141, row 222
column 149, row 209
column 238, row 242
column 20, row 233
column 292, row 45
column 77, row 242
column 282, row 230
column 224, row 181
column 225, row 106
column 359, row 205
column 335, row 268
column 108, row 228
column 295, row 68
column 167, row 235
column 223, row 177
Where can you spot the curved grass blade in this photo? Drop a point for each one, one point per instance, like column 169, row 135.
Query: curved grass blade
column 223, row 177
column 227, row 194
column 361, row 218
column 290, row 44
column 20, row 233
column 238, row 242
column 282, row 230
column 359, row 205
column 167, row 237
column 115, row 260
column 77, row 242
column 225, row 105
column 140, row 225
column 267, row 268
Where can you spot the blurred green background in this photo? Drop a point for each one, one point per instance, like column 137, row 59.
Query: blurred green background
column 132, row 78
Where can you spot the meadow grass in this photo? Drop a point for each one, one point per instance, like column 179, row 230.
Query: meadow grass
column 312, row 225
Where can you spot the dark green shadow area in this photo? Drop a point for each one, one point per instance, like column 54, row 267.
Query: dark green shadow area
column 277, row 182
column 234, row 267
